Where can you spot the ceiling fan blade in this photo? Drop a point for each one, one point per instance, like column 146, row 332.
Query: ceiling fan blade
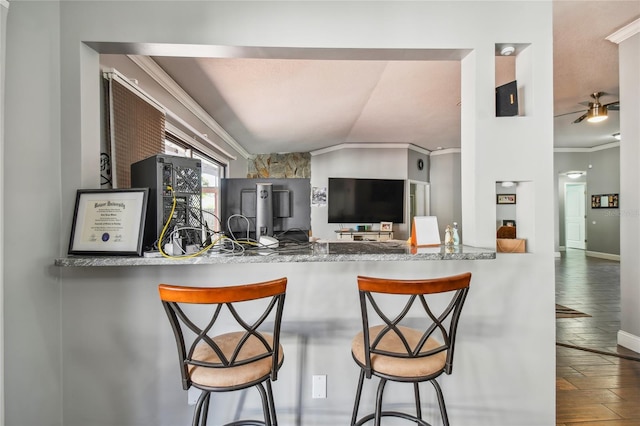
column 568, row 113
column 579, row 119
column 613, row 106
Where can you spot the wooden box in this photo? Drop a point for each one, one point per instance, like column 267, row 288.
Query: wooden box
column 510, row 245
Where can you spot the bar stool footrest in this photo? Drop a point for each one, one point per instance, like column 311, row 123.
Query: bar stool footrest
column 401, row 415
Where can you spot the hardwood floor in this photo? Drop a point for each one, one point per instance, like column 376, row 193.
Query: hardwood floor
column 593, row 385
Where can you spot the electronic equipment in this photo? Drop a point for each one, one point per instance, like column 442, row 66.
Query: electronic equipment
column 169, row 176
column 507, row 100
column 290, row 207
column 352, row 200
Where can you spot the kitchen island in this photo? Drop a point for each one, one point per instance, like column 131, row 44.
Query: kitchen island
column 117, row 336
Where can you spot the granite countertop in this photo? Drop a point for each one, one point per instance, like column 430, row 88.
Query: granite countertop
column 322, row 251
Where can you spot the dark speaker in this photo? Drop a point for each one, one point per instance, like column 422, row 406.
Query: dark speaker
column 507, row 100
column 166, row 176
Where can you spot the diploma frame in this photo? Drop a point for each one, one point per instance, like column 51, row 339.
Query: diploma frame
column 109, row 222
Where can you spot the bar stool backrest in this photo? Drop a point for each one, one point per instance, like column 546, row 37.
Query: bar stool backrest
column 432, row 306
column 258, row 321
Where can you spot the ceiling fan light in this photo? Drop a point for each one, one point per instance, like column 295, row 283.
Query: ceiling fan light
column 597, row 113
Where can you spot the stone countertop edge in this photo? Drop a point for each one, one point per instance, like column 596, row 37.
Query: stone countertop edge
column 273, row 256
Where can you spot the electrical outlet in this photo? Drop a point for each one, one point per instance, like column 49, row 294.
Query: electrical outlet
column 319, row 386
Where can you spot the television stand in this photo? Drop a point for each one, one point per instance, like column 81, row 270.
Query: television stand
column 353, row 235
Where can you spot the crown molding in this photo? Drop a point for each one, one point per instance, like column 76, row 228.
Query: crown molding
column 625, row 32
column 446, row 151
column 609, row 145
column 419, row 149
column 154, row 71
column 602, row 147
column 570, row 150
column 369, row 146
column 203, row 146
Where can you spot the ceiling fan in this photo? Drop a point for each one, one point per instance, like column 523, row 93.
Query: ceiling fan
column 597, row 111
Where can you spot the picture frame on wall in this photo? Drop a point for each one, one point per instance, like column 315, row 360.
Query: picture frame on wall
column 604, row 201
column 506, row 199
column 108, row 222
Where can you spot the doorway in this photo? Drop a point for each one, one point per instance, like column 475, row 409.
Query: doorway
column 574, row 215
column 418, row 201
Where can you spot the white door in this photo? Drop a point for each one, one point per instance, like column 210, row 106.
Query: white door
column 574, row 218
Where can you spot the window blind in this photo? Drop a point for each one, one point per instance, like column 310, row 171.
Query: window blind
column 135, row 130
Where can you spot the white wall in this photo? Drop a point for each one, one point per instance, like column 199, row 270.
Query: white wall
column 446, row 199
column 506, row 148
column 113, row 382
column 372, row 163
column 4, row 6
column 32, row 216
column 629, row 335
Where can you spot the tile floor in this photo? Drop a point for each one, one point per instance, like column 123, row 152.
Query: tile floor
column 593, row 388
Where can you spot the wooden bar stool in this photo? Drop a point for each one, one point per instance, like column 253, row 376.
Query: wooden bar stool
column 232, row 350
column 413, row 344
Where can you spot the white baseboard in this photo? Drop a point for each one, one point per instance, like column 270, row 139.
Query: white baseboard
column 629, row 341
column 607, row 256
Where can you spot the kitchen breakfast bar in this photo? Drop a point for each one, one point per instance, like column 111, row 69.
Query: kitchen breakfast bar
column 117, row 337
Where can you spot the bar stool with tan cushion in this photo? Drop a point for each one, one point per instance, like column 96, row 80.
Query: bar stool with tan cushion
column 409, row 332
column 234, row 345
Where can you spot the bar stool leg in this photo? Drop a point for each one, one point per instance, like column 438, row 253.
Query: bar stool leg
column 443, row 408
column 201, row 409
column 303, row 340
column 416, row 391
column 383, row 382
column 356, row 405
column 205, row 409
column 265, row 404
column 272, row 406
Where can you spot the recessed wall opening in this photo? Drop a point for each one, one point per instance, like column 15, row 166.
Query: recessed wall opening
column 514, row 218
column 268, row 76
column 512, row 69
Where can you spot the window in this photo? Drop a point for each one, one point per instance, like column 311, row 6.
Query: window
column 135, row 125
column 212, row 172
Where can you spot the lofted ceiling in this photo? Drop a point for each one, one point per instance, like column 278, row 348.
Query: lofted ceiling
column 584, row 63
column 298, row 104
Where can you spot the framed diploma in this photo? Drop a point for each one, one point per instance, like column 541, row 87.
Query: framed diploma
column 109, row 221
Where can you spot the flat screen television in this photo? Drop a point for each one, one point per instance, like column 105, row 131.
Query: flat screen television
column 352, row 200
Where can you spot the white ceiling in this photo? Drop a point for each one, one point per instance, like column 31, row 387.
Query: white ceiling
column 584, row 63
column 303, row 104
